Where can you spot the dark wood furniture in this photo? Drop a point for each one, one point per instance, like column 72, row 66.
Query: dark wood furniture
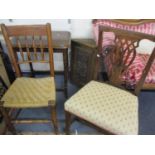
column 3, row 88
column 83, row 60
column 117, row 51
column 125, row 51
column 61, row 44
column 6, row 67
column 33, row 94
column 130, row 22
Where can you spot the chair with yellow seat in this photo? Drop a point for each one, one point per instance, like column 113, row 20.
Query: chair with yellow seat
column 107, row 106
column 29, row 45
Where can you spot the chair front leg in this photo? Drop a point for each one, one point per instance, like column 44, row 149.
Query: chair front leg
column 7, row 120
column 68, row 122
column 54, row 119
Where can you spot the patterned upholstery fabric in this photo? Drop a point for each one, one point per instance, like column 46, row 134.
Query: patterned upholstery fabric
column 147, row 28
column 30, row 92
column 107, row 107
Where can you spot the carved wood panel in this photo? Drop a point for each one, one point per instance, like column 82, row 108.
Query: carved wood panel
column 123, row 51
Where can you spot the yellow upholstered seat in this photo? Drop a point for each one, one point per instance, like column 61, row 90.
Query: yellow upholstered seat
column 30, row 92
column 107, row 107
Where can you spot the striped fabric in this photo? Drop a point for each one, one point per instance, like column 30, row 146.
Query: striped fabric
column 134, row 72
column 148, row 28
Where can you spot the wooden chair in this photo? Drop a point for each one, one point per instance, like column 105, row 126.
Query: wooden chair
column 117, row 64
column 26, row 45
column 146, row 41
column 107, row 106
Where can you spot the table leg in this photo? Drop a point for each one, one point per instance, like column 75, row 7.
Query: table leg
column 65, row 61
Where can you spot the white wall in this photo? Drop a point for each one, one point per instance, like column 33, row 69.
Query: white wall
column 57, row 24
column 79, row 28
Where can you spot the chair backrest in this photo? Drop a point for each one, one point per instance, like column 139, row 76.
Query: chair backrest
column 28, row 44
column 122, row 53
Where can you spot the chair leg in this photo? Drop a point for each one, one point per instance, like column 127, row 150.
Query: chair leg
column 68, row 122
column 7, row 120
column 54, row 119
column 17, row 114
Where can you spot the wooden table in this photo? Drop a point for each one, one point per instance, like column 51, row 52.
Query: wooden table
column 61, row 44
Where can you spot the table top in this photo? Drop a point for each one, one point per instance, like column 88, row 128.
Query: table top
column 61, row 39
column 87, row 42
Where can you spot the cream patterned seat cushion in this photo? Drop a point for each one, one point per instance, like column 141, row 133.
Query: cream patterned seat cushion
column 107, row 107
column 30, row 92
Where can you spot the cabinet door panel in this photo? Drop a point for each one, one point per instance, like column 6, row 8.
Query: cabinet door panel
column 81, row 66
column 82, row 63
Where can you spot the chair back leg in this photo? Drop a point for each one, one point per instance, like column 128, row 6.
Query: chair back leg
column 54, row 119
column 7, row 120
column 68, row 122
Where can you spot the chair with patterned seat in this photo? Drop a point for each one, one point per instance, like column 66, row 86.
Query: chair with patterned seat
column 27, row 44
column 107, row 106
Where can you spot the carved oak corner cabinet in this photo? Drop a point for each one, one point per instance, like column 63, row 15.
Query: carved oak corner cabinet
column 83, row 61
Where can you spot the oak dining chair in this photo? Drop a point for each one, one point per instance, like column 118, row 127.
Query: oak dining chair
column 26, row 46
